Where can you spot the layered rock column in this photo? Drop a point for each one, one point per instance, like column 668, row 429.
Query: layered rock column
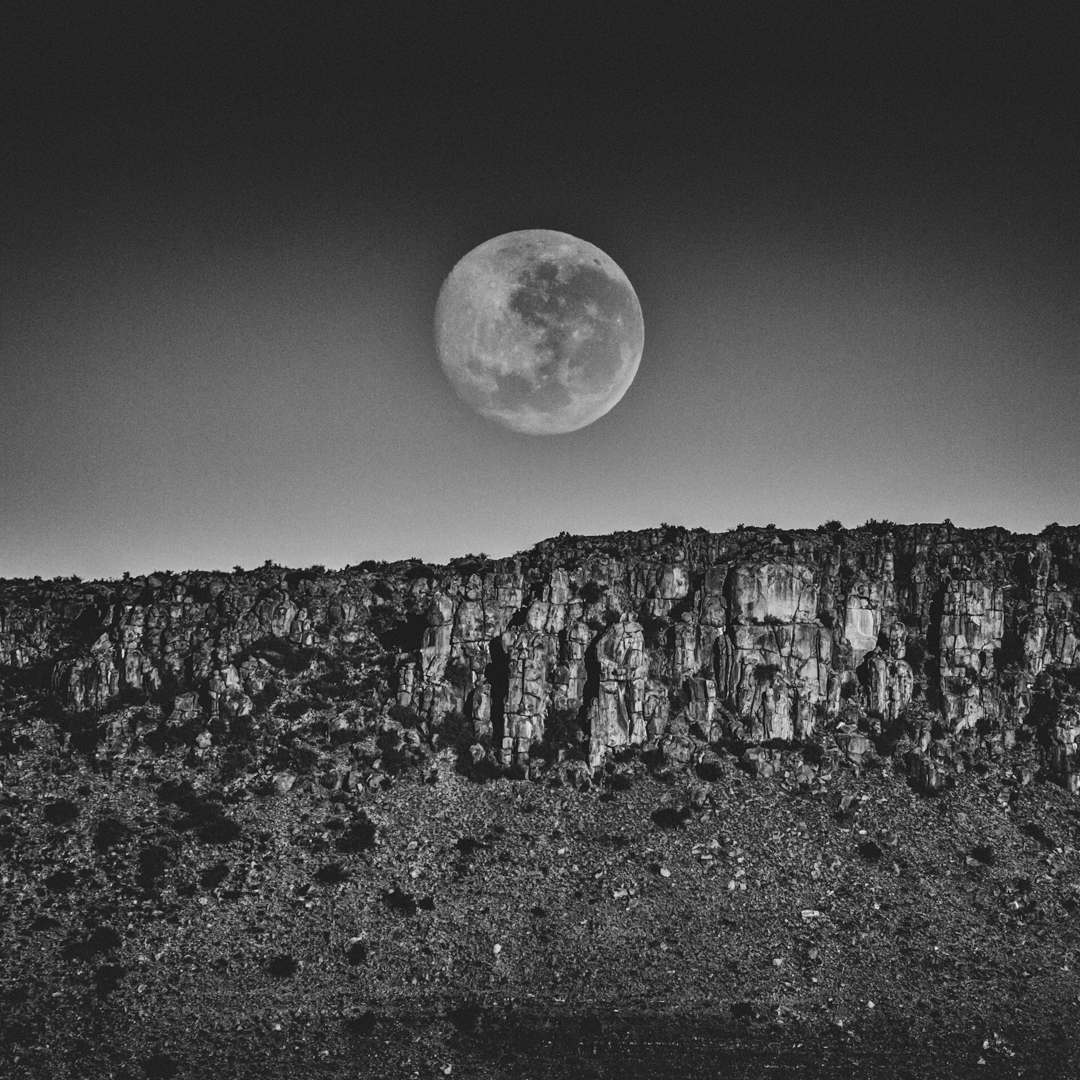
column 529, row 653
column 616, row 717
column 888, row 678
column 773, row 660
column 972, row 625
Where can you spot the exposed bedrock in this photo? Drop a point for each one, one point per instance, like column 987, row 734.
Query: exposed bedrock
column 627, row 639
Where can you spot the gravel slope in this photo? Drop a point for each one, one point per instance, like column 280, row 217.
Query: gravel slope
column 653, row 924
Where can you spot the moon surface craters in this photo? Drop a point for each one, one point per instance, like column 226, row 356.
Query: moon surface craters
column 539, row 331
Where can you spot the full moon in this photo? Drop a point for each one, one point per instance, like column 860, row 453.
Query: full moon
column 539, row 331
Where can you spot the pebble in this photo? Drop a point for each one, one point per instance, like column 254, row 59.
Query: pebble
column 665, row 872
column 283, row 783
column 497, row 950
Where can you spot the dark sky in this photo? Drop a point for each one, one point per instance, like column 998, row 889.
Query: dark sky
column 853, row 229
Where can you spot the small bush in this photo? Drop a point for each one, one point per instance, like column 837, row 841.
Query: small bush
column 332, row 874
column 459, row 675
column 303, row 758
column 102, row 939
column 880, row 528
column 671, row 817
column 61, row 812
column 654, row 630
column 237, row 760
column 152, row 862
column 218, row 829
column 457, row 730
column 356, row 837
column 563, row 728
column 62, row 881
column 402, row 902
column 362, row 1026
column 110, row 832
column 213, row 876
column 107, row 978
column 202, row 814
column 592, row 592
column 282, row 966
column 160, row 1067
column 405, row 715
column 293, row 710
column 764, row 672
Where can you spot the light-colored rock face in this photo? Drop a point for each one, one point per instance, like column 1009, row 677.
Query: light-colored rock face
column 688, row 655
column 897, row 636
column 973, row 619
column 772, row 593
column 890, row 684
column 660, row 588
column 617, row 716
column 673, row 582
column 862, row 624
column 529, row 653
column 773, row 660
column 972, row 625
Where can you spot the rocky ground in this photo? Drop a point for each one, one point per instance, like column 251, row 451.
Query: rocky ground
column 658, row 922
column 669, row 803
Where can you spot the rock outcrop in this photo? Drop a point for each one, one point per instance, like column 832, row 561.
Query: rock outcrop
column 762, row 635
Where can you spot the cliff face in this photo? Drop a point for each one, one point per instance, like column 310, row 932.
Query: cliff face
column 928, row 634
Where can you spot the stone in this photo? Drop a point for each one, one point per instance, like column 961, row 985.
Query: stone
column 711, row 766
column 283, row 782
column 676, row 749
column 1062, row 755
column 185, row 709
column 888, row 683
column 925, row 774
column 757, row 761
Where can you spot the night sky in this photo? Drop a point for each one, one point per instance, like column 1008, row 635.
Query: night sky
column 853, row 229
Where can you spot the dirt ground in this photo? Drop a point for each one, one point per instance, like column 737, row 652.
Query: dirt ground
column 657, row 923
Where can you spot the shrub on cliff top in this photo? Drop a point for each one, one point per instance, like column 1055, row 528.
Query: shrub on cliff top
column 592, row 592
column 880, row 528
column 563, row 728
column 459, row 675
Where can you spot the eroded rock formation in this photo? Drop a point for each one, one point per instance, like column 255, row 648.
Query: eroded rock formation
column 629, row 639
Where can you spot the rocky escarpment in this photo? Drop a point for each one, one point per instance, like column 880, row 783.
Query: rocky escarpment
column 936, row 644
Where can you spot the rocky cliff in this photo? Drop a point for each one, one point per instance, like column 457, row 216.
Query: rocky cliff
column 936, row 645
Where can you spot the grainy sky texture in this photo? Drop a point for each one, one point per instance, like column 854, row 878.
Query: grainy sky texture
column 853, row 229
